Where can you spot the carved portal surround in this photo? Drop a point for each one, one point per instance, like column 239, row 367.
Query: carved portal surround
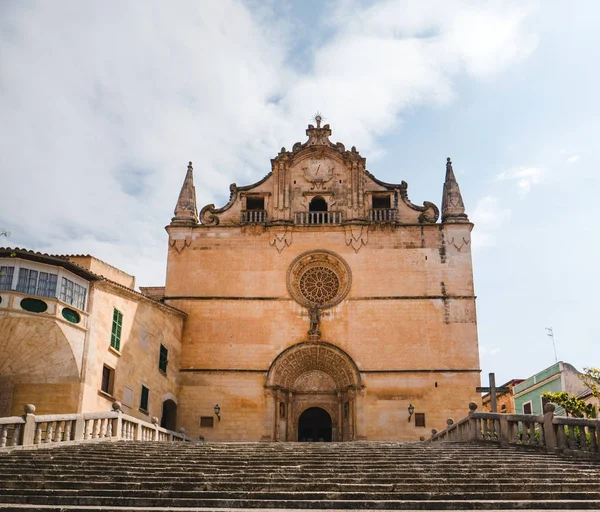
column 315, row 373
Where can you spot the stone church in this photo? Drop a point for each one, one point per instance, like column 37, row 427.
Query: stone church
column 318, row 304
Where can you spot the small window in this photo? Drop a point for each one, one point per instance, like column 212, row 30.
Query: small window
column 527, row 408
column 72, row 293
column 379, row 202
column 34, row 305
column 207, row 421
column 115, row 335
column 6, row 277
column 255, row 203
column 108, row 379
column 163, row 359
column 144, row 399
column 419, row 419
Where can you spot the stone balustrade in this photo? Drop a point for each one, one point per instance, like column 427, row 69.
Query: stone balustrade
column 31, row 431
column 383, row 215
column 317, row 218
column 550, row 433
column 253, row 217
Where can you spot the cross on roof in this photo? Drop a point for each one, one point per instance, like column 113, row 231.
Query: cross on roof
column 492, row 390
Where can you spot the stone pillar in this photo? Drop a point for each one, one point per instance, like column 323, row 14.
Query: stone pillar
column 28, row 432
column 340, row 412
column 290, row 418
column 270, row 402
column 276, row 415
column 360, row 432
column 473, row 434
column 549, row 432
column 118, row 424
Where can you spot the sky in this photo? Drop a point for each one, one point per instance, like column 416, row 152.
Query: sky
column 104, row 103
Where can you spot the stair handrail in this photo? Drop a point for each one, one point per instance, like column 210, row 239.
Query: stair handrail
column 547, row 432
column 45, row 430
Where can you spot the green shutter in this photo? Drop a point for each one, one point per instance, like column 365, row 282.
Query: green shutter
column 115, row 335
column 163, row 359
column 144, row 398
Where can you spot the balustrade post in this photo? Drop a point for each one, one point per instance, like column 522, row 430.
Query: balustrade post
column 79, row 428
column 549, row 433
column 28, row 431
column 472, row 422
column 504, row 433
column 155, row 433
column 117, row 430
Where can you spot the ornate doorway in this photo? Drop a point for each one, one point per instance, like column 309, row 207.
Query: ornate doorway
column 314, row 392
column 314, row 425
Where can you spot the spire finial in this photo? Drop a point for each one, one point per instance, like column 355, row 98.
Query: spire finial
column 186, row 213
column 453, row 208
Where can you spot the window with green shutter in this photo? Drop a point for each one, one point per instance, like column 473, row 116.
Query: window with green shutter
column 115, row 336
column 144, row 398
column 163, row 359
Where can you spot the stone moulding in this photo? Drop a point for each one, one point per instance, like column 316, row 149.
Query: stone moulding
column 295, row 361
column 310, row 260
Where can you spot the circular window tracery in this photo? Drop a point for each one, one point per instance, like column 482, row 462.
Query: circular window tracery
column 319, row 284
column 319, row 279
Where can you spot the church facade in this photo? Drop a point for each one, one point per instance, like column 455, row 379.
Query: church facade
column 322, row 304
column 318, row 304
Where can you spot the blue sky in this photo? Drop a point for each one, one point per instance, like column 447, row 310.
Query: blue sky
column 104, row 104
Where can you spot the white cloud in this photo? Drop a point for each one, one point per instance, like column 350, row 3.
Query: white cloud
column 488, row 351
column 525, row 177
column 104, row 104
column 573, row 159
column 488, row 216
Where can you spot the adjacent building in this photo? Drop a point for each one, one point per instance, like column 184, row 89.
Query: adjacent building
column 557, row 378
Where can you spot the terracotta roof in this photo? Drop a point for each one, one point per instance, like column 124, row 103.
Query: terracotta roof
column 52, row 259
column 61, row 260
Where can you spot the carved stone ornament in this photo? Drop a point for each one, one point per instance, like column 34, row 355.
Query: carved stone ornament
column 281, row 238
column 319, row 279
column 311, row 366
column 356, row 236
column 179, row 245
column 318, row 171
column 458, row 245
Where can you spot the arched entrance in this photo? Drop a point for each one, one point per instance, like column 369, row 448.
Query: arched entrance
column 169, row 415
column 314, row 425
column 313, row 376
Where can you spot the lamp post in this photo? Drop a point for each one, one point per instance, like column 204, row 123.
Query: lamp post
column 411, row 411
column 217, row 410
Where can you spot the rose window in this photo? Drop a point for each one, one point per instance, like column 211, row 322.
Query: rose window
column 318, row 278
column 319, row 285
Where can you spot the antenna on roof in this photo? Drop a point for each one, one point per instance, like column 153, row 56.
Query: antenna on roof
column 550, row 333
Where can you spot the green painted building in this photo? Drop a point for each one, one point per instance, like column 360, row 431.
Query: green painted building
column 558, row 377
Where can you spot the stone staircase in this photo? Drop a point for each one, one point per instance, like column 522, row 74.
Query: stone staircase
column 362, row 475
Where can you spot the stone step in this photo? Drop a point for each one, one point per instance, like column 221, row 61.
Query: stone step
column 11, row 486
column 457, row 506
column 326, row 504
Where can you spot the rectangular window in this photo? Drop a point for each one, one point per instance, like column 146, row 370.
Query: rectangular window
column 108, row 378
column 144, row 399
column 419, row 419
column 72, row 293
column 381, row 202
column 255, row 203
column 33, row 282
column 527, row 408
column 163, row 359
column 6, row 277
column 115, row 335
column 207, row 421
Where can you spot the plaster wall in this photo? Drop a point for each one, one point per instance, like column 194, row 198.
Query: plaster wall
column 146, row 325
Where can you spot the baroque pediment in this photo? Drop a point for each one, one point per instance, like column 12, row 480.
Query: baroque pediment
column 319, row 183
